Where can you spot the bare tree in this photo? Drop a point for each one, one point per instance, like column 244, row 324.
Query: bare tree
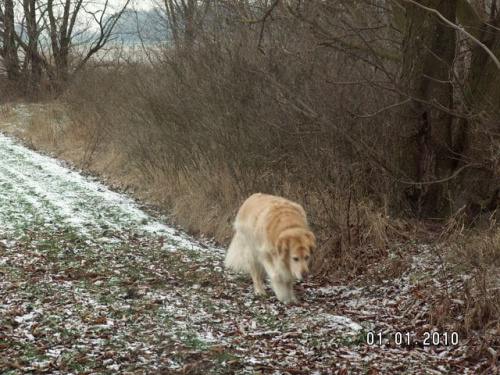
column 185, row 19
column 416, row 45
column 426, row 152
column 45, row 36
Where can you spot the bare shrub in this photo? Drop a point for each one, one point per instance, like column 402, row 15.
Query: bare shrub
column 209, row 125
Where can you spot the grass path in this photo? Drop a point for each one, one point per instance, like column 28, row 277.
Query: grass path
column 89, row 283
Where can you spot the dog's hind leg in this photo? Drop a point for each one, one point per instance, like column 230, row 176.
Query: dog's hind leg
column 238, row 256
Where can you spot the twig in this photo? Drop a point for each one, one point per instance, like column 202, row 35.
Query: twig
column 385, row 109
column 455, row 174
column 262, row 19
column 264, row 16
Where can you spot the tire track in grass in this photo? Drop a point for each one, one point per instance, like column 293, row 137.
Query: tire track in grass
column 73, row 199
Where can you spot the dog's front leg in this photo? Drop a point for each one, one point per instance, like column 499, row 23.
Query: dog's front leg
column 281, row 285
column 283, row 289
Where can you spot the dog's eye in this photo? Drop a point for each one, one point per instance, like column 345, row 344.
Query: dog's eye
column 295, row 259
column 307, row 258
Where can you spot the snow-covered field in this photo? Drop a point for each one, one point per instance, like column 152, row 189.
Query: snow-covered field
column 90, row 283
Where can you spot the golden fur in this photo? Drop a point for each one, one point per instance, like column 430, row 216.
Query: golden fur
column 271, row 236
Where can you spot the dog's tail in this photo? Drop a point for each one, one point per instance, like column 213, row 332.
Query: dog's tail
column 239, row 255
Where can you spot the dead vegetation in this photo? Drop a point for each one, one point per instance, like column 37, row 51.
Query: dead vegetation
column 291, row 110
column 207, row 134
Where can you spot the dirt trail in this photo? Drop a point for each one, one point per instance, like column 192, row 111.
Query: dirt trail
column 92, row 284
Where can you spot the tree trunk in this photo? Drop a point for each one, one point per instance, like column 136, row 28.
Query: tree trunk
column 425, row 154
column 9, row 52
column 478, row 189
column 32, row 65
column 483, row 89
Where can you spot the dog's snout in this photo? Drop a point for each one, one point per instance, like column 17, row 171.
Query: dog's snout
column 302, row 273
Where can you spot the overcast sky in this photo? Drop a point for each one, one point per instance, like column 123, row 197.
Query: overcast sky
column 143, row 4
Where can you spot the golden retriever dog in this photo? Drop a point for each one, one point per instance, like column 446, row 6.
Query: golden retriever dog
column 271, row 236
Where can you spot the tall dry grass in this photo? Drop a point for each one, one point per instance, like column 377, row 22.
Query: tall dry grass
column 474, row 255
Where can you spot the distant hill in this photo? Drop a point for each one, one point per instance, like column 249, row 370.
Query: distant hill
column 146, row 25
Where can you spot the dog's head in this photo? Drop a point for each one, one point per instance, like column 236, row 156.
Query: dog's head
column 295, row 247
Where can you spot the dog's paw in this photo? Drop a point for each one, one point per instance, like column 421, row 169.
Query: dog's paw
column 260, row 292
column 287, row 300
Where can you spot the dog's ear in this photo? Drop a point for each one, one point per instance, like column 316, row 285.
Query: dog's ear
column 283, row 246
column 312, row 239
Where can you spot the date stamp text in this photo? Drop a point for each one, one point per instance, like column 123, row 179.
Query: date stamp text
column 427, row 338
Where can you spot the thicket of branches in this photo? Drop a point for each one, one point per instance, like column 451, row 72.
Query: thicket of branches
column 365, row 111
column 341, row 104
column 235, row 111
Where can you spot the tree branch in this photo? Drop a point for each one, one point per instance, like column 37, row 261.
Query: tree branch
column 266, row 14
column 385, row 109
column 458, row 28
column 342, row 42
column 454, row 175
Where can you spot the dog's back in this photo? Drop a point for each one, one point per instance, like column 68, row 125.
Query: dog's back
column 259, row 222
column 263, row 217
